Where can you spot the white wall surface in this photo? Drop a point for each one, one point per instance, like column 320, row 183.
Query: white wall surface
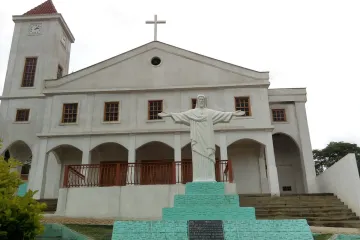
column 128, row 202
column 182, row 75
column 343, row 180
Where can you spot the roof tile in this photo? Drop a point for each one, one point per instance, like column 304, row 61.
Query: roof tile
column 44, row 8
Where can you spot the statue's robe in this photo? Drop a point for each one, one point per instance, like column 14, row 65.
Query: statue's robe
column 201, row 122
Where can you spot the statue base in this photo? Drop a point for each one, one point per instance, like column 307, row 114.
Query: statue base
column 205, row 212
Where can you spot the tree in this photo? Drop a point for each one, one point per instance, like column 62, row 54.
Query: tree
column 19, row 216
column 332, row 153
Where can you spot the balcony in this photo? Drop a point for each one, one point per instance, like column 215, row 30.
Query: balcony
column 145, row 173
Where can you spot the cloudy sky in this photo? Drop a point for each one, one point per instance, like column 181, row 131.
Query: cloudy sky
column 312, row 44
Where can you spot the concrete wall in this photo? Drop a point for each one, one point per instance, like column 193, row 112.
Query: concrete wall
column 343, row 180
column 134, row 110
column 128, row 202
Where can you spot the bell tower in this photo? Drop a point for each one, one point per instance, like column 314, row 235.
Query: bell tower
column 40, row 49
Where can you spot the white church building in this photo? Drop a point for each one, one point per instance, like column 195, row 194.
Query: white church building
column 94, row 135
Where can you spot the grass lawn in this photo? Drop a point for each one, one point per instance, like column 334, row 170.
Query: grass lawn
column 103, row 232
column 323, row 237
column 97, row 232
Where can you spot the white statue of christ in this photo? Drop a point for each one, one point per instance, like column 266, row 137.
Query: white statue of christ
column 201, row 121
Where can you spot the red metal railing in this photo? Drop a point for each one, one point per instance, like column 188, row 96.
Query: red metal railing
column 145, row 173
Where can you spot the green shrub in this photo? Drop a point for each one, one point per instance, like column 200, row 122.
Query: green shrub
column 19, row 216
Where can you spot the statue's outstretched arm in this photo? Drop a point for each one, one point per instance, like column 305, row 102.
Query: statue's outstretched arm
column 180, row 118
column 238, row 113
column 164, row 114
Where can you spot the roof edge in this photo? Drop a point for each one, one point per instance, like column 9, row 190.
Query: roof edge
column 41, row 17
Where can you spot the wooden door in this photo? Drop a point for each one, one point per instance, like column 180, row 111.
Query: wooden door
column 108, row 173
column 156, row 172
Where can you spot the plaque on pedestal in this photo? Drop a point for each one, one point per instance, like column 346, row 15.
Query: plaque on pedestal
column 205, row 230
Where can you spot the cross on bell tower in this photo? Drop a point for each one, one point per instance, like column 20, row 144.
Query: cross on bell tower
column 155, row 22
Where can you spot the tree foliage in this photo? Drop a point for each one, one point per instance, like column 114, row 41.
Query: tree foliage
column 19, row 216
column 332, row 153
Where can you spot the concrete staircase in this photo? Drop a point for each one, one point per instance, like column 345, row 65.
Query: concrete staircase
column 51, row 205
column 318, row 209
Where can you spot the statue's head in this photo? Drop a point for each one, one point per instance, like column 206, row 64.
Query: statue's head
column 201, row 101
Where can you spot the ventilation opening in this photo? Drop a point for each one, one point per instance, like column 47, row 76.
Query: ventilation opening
column 155, row 61
column 286, row 188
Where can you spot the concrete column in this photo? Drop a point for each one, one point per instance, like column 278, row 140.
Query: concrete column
column 177, row 156
column 86, row 159
column 223, row 156
column 47, row 115
column 131, row 173
column 39, row 178
column 223, row 146
column 32, row 173
column 262, row 170
column 307, row 162
column 90, row 109
column 272, row 173
column 86, row 156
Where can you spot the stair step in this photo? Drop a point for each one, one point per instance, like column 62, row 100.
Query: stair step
column 339, row 224
column 305, row 215
column 287, row 198
column 318, row 209
column 51, row 204
column 288, row 195
column 304, row 211
column 315, row 205
column 335, row 219
column 294, row 203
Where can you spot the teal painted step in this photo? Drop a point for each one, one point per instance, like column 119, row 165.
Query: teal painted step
column 209, row 213
column 233, row 230
column 206, row 200
column 58, row 231
column 199, row 188
column 347, row 237
column 22, row 189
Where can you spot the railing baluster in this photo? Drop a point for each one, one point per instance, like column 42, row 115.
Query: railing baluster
column 66, row 176
column 144, row 173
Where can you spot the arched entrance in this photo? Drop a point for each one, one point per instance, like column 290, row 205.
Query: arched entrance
column 57, row 159
column 112, row 158
column 20, row 151
column 288, row 163
column 249, row 166
column 186, row 162
column 154, row 164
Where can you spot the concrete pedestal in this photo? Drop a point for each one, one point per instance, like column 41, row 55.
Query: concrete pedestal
column 207, row 201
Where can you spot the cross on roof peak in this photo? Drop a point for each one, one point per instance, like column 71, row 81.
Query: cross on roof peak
column 155, row 22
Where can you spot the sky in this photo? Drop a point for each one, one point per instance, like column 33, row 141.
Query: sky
column 312, row 44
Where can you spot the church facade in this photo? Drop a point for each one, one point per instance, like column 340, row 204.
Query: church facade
column 98, row 128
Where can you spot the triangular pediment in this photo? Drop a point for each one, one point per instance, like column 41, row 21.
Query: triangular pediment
column 133, row 70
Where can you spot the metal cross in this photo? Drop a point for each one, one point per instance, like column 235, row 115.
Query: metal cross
column 155, row 22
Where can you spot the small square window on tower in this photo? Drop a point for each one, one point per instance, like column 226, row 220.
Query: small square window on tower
column 111, row 112
column 154, row 108
column 22, row 115
column 193, row 103
column 243, row 104
column 69, row 114
column 29, row 72
column 278, row 115
column 59, row 72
